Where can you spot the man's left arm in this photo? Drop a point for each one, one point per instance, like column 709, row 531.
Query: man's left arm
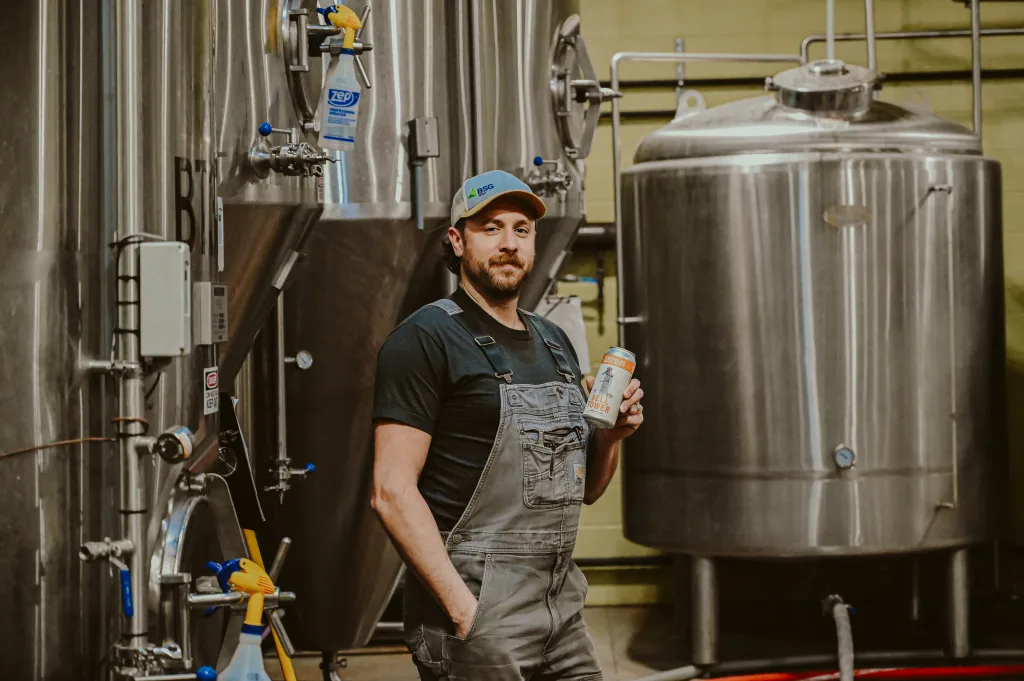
column 603, row 448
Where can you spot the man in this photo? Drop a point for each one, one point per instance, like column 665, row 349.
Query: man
column 482, row 459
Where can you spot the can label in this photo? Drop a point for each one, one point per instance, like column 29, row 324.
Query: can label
column 611, row 382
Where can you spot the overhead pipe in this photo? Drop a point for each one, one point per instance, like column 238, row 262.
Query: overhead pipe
column 671, row 57
column 806, row 43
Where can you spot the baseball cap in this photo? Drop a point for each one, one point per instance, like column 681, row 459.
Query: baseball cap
column 478, row 191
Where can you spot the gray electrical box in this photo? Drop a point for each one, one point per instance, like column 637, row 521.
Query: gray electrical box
column 424, row 141
column 165, row 299
column 210, row 313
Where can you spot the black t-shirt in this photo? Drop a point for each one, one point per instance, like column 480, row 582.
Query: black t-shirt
column 432, row 376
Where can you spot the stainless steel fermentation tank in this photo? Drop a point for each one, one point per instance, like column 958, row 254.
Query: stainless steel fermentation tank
column 52, row 260
column 122, row 141
column 491, row 76
column 814, row 287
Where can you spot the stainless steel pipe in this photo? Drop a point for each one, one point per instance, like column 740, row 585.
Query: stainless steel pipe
column 976, row 63
column 806, row 43
column 131, row 411
column 673, row 57
column 869, row 28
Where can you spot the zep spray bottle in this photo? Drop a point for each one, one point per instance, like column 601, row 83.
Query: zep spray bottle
column 247, row 662
column 339, row 99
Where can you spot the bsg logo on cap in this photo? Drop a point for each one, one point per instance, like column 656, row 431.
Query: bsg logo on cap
column 480, row 191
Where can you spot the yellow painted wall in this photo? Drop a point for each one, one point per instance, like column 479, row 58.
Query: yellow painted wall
column 778, row 26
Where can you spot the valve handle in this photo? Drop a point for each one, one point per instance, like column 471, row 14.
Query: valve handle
column 266, row 128
column 310, row 468
column 127, row 601
column 206, row 673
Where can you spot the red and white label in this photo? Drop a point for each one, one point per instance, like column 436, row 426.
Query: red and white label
column 211, row 393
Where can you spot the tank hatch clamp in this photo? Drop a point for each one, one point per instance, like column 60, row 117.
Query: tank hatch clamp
column 576, row 127
column 291, row 159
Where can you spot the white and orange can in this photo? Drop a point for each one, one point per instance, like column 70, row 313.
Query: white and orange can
column 611, row 382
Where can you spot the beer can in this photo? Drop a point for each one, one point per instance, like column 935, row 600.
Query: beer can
column 612, row 379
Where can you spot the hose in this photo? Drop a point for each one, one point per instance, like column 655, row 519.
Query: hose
column 844, row 635
column 782, row 669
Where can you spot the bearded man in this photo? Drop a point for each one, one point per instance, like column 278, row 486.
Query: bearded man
column 483, row 459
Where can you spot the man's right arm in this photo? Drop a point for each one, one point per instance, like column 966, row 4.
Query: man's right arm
column 400, row 452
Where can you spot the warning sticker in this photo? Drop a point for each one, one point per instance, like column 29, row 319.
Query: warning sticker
column 211, row 391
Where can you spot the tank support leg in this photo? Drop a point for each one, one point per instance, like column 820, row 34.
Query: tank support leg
column 959, row 605
column 704, row 604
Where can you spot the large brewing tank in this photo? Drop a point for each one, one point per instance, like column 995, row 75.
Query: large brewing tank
column 366, row 265
column 187, row 525
column 52, row 305
column 815, row 285
column 520, row 107
column 266, row 213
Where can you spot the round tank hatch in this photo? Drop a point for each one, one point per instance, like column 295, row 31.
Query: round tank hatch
column 826, row 87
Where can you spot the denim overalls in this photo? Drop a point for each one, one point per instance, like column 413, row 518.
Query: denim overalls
column 513, row 544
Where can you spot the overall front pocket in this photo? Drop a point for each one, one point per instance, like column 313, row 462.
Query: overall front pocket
column 554, row 462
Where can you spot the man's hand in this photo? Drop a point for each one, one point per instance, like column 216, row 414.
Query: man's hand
column 631, row 413
column 464, row 614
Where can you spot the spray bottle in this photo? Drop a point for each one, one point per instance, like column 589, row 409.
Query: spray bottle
column 247, row 662
column 339, row 99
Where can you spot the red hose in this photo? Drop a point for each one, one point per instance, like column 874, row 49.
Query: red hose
column 894, row 674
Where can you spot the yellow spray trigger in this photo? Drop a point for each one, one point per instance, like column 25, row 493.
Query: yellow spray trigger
column 251, row 579
column 346, row 19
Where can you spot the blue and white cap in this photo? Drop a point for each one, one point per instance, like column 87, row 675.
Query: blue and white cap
column 477, row 192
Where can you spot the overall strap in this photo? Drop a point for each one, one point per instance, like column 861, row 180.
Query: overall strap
column 564, row 368
column 491, row 349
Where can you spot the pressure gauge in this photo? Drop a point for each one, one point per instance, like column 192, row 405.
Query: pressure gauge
column 844, row 457
column 302, row 359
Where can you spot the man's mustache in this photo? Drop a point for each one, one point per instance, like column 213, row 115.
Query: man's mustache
column 506, row 259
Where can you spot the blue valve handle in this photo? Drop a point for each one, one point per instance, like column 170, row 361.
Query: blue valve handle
column 127, row 602
column 223, row 571
column 538, row 161
column 265, row 129
column 310, row 468
column 206, row 674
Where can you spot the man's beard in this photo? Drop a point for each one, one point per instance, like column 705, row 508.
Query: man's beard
column 497, row 286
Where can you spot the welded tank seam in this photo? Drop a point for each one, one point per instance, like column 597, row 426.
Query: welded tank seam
column 807, row 324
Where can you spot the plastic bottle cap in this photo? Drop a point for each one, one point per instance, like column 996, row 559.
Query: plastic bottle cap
column 206, row 673
column 266, row 129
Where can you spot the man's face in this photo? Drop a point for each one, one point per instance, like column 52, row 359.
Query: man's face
column 497, row 248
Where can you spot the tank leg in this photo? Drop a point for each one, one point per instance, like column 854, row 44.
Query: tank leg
column 704, row 628
column 915, row 590
column 959, row 605
column 330, row 664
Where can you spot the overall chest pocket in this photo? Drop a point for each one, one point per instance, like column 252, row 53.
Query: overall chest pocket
column 554, row 462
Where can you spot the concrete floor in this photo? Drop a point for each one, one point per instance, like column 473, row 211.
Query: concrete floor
column 624, row 653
